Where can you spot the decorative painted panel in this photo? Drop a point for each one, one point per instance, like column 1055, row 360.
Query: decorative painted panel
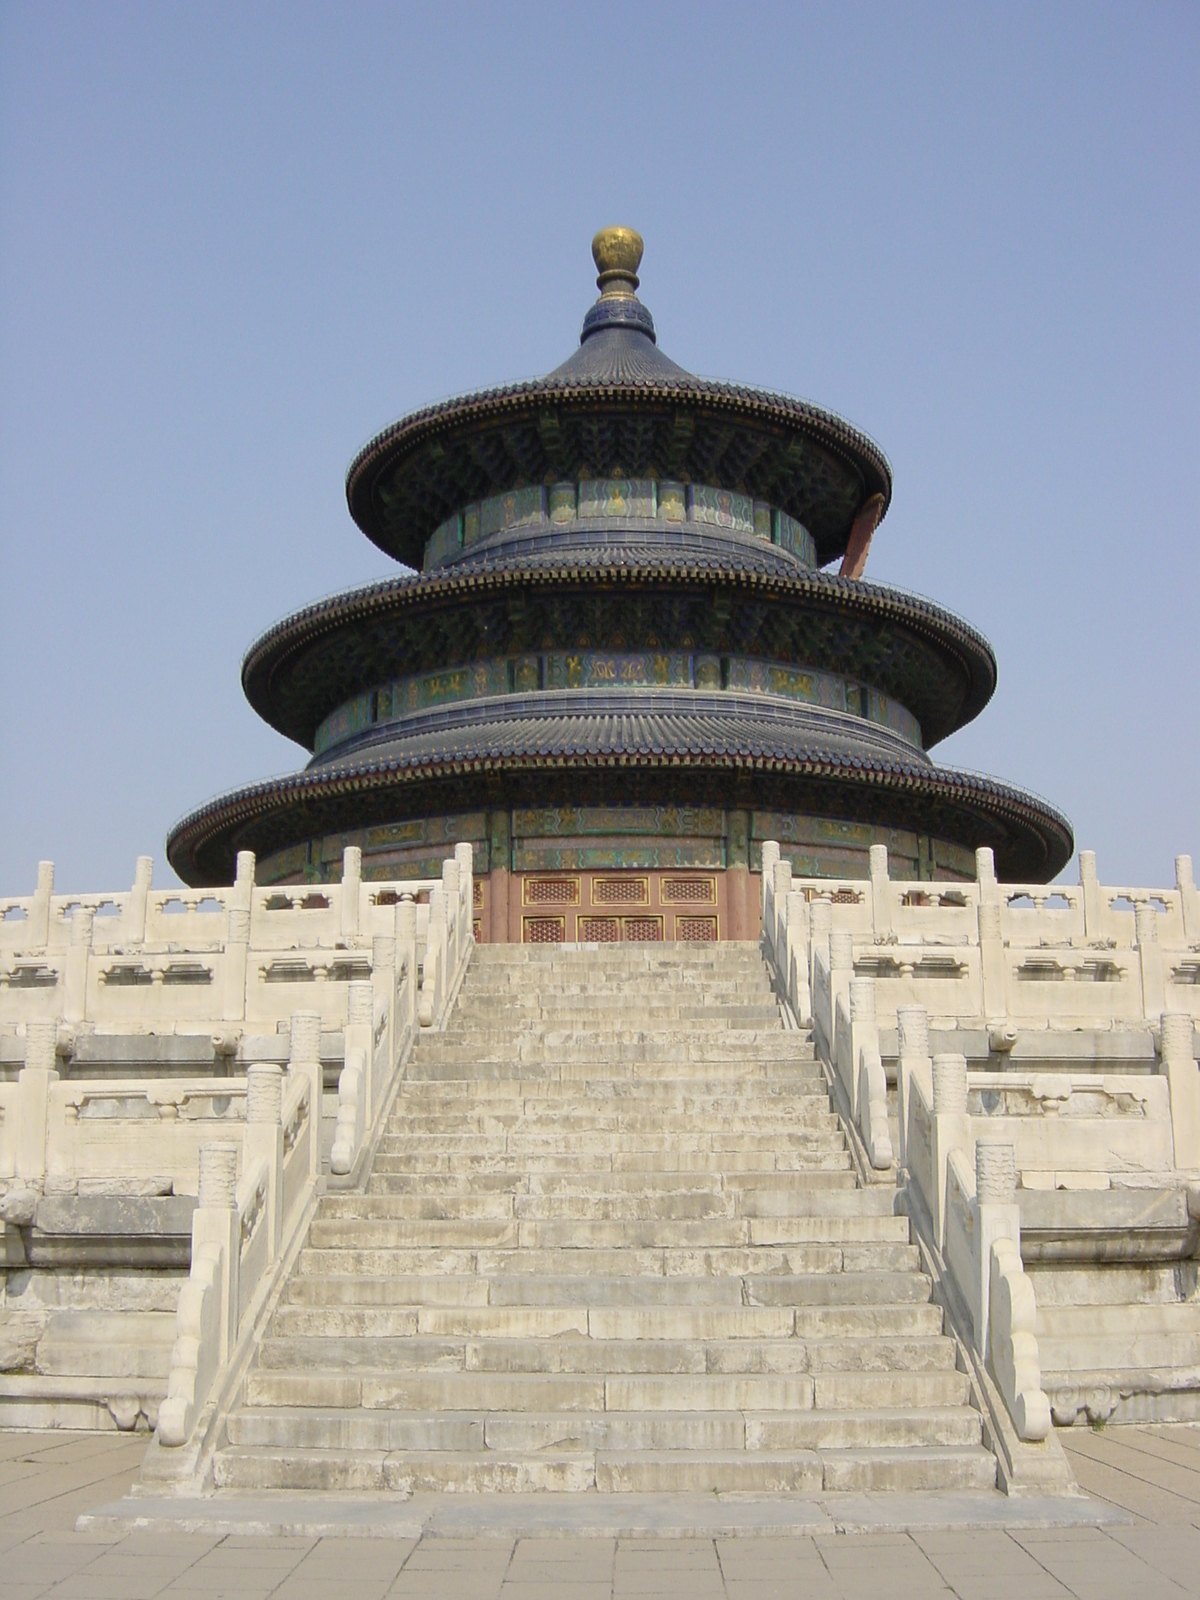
column 562, row 502
column 545, row 855
column 722, row 508
column 445, row 541
column 672, row 501
column 573, row 821
column 598, row 669
column 794, row 683
column 666, row 499
column 795, row 537
column 516, row 509
column 345, row 722
column 604, row 669
column 789, row 828
column 616, row 497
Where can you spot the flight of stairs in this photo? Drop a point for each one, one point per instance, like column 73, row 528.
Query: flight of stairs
column 611, row 1240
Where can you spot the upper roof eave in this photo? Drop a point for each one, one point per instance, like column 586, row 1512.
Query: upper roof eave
column 738, row 405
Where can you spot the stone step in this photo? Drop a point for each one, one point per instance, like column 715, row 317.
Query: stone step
column 582, row 1275
column 406, row 1472
column 644, row 1159
column 911, row 1469
column 815, row 1141
column 608, row 1266
column 704, row 1062
column 759, row 1010
column 563, row 1181
column 664, row 1092
column 808, row 1121
column 611, row 1046
column 686, row 1355
column 474, row 1390
column 526, row 1433
column 794, row 1078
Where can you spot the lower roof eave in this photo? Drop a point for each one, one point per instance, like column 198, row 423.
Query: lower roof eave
column 1033, row 841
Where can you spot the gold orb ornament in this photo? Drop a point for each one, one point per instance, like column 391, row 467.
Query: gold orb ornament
column 617, row 253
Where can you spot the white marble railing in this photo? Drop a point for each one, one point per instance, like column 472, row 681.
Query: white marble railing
column 967, row 1182
column 200, row 960
column 982, row 951
column 1007, row 963
column 991, row 955
column 367, row 961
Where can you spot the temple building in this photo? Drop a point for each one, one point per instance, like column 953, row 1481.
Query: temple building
column 620, row 653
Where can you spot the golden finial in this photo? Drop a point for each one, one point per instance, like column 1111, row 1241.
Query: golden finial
column 617, row 253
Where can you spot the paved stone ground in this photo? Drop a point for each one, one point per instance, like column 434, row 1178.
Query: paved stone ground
column 1153, row 1473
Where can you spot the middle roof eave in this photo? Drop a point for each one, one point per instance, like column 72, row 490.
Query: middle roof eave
column 309, row 663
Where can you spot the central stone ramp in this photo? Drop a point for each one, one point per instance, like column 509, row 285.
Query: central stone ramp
column 611, row 1239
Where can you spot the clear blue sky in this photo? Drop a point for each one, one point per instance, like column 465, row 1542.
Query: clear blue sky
column 237, row 241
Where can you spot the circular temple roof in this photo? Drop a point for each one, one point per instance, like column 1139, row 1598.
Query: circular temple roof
column 547, row 746
column 933, row 663
column 617, row 408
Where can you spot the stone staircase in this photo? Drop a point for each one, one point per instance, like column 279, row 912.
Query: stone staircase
column 611, row 1240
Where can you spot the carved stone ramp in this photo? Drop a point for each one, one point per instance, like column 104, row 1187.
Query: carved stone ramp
column 611, row 1240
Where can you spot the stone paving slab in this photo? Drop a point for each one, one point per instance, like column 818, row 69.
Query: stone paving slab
column 1131, row 1537
column 611, row 1516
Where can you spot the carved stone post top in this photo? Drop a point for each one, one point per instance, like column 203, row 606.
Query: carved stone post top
column 245, row 867
column 1183, row 873
column 352, row 864
column 841, row 950
column 912, row 1026
column 218, row 1176
column 143, row 872
column 949, row 1084
column 464, row 854
column 406, row 922
column 783, row 877
column 862, row 1000
column 1177, row 1037
column 1087, row 867
column 41, row 1045
column 878, row 858
column 305, row 1046
column 450, row 878
column 1145, row 922
column 820, row 918
column 995, row 1170
column 360, row 1002
column 45, row 878
column 770, row 855
column 264, row 1092
column 985, row 865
